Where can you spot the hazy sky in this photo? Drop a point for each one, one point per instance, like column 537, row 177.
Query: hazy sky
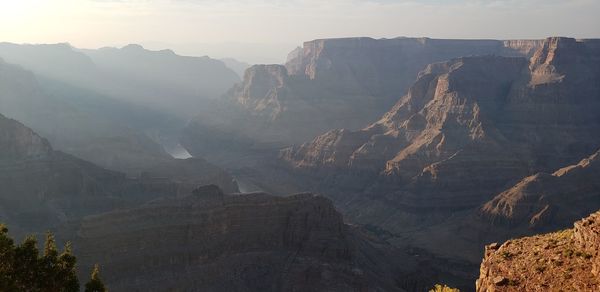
column 265, row 30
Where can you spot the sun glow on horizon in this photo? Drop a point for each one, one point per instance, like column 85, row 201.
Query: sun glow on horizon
column 184, row 25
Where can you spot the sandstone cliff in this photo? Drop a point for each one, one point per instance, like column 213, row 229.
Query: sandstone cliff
column 211, row 241
column 568, row 260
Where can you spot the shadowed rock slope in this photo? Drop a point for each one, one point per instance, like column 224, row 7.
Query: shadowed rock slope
column 330, row 83
column 98, row 129
column 568, row 260
column 549, row 200
column 41, row 189
column 210, row 241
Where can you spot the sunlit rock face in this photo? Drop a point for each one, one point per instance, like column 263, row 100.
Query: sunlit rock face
column 564, row 260
column 330, row 83
column 211, row 241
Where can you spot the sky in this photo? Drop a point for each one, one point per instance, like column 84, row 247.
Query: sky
column 264, row 31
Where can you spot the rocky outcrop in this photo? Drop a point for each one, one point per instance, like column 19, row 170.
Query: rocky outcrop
column 263, row 87
column 330, row 83
column 210, row 241
column 563, row 261
column 546, row 200
column 586, row 236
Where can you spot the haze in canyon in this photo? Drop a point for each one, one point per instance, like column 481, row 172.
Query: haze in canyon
column 299, row 145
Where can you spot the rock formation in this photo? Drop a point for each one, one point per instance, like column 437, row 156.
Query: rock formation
column 210, row 241
column 567, row 260
column 331, row 83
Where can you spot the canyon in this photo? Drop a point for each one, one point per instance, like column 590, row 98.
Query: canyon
column 364, row 164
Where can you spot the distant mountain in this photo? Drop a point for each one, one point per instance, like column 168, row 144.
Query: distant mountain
column 331, row 83
column 237, row 66
column 159, row 79
column 211, row 241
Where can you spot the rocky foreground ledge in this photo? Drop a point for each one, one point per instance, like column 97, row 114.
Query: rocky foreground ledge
column 567, row 260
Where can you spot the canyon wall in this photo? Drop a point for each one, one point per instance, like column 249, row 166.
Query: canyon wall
column 211, row 241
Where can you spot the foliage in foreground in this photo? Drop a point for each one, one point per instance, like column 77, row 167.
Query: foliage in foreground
column 443, row 288
column 22, row 268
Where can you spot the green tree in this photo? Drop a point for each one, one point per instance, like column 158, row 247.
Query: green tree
column 95, row 284
column 22, row 268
